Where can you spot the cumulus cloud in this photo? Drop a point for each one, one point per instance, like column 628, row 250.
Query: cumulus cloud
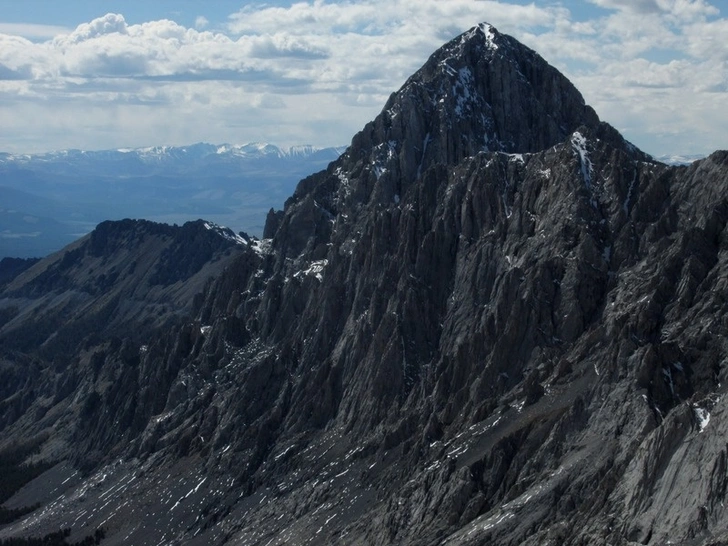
column 111, row 23
column 316, row 71
column 201, row 22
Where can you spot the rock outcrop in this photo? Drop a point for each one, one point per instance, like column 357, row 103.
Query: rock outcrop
column 492, row 320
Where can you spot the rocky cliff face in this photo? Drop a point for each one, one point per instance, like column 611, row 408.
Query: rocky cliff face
column 491, row 321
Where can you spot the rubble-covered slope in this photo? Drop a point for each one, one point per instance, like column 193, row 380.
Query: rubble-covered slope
column 491, row 321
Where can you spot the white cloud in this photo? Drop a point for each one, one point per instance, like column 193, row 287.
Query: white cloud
column 656, row 70
column 28, row 30
column 201, row 22
column 644, row 6
column 111, row 23
column 316, row 71
column 685, row 9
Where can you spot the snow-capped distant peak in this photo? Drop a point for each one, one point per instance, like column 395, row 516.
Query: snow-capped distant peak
column 226, row 233
column 680, row 159
column 304, row 149
column 249, row 150
column 154, row 150
column 194, row 151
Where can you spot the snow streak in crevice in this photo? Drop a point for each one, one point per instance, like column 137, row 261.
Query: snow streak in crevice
column 578, row 143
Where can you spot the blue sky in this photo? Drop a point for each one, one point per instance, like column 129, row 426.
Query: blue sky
column 73, row 12
column 108, row 74
column 184, row 12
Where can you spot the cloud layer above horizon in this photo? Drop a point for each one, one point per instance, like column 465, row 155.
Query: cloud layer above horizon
column 315, row 72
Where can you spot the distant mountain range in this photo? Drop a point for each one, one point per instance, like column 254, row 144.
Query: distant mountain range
column 48, row 200
column 680, row 159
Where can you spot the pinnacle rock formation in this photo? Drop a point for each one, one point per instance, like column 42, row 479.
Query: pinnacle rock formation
column 492, row 320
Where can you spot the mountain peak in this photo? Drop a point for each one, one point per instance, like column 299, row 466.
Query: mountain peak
column 516, row 102
column 482, row 91
column 484, row 33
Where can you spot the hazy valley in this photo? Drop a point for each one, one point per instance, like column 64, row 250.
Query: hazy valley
column 49, row 200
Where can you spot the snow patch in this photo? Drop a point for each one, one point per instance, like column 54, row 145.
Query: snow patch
column 489, row 33
column 461, row 90
column 578, row 143
column 284, row 452
column 491, row 522
column 344, row 184
column 315, row 269
column 449, row 69
column 261, row 247
column 385, row 153
column 226, row 233
column 163, row 417
column 703, row 417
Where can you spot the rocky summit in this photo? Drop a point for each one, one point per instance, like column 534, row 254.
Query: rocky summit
column 492, row 320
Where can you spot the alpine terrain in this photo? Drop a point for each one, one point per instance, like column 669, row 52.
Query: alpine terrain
column 491, row 320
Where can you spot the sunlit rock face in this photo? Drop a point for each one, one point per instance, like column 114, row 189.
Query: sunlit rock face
column 492, row 320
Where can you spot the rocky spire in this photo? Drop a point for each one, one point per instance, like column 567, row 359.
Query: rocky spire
column 482, row 91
